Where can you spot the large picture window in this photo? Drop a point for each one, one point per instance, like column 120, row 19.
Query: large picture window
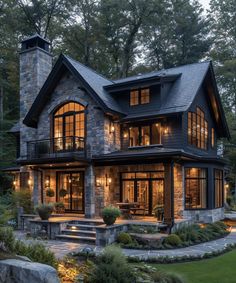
column 145, row 135
column 68, row 132
column 219, row 191
column 195, row 188
column 197, row 129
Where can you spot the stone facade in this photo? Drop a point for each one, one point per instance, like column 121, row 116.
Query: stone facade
column 178, row 191
column 205, row 215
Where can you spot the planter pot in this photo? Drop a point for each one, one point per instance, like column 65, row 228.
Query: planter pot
column 109, row 220
column 44, row 215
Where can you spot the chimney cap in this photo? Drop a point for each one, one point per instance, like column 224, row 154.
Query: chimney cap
column 35, row 40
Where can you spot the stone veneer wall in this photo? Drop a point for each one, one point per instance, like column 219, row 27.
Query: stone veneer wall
column 110, row 194
column 205, row 215
column 178, row 191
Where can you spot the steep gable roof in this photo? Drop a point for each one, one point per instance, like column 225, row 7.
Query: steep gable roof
column 91, row 81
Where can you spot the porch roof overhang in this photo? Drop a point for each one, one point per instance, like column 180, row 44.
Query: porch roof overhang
column 57, row 160
column 154, row 154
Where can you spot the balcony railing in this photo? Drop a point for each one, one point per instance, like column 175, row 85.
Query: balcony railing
column 54, row 147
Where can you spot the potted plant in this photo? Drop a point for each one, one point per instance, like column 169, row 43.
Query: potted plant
column 109, row 214
column 59, row 207
column 62, row 193
column 50, row 193
column 44, row 211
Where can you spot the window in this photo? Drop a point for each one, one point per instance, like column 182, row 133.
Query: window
column 69, row 127
column 145, row 135
column 212, row 137
column 139, row 96
column 134, row 97
column 145, row 96
column 197, row 129
column 219, row 192
column 195, row 188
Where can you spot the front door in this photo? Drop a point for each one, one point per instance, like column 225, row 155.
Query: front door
column 70, row 190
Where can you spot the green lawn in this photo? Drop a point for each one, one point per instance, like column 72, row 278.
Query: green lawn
column 221, row 269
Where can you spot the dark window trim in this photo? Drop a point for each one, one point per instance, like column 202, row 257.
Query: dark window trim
column 191, row 143
column 222, row 183
column 139, row 126
column 206, row 178
column 139, row 96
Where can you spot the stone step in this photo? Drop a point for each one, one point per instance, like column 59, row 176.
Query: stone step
column 93, row 222
column 81, row 227
column 87, row 233
column 74, row 238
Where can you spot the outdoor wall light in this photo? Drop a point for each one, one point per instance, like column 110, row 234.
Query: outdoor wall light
column 125, row 135
column 98, row 181
column 47, row 182
column 29, row 182
column 166, row 130
column 112, row 127
column 108, row 180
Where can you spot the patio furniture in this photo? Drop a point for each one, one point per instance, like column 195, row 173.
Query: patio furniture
column 126, row 208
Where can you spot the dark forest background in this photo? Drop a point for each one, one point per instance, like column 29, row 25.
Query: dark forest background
column 120, row 38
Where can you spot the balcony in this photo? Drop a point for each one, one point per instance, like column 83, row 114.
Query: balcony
column 56, row 148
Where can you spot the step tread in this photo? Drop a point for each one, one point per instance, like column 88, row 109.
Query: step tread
column 76, row 237
column 82, row 225
column 79, row 231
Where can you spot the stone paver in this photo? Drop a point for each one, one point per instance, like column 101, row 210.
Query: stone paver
column 63, row 248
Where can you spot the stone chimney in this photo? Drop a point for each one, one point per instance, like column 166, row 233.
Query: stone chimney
column 35, row 66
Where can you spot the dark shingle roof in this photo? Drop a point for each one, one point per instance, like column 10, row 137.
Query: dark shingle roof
column 97, row 83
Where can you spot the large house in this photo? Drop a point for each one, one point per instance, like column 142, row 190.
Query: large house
column 149, row 139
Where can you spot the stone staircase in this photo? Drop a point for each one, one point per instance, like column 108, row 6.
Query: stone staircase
column 80, row 231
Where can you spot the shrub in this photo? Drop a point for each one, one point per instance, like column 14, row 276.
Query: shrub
column 172, row 240
column 163, row 277
column 59, row 207
column 111, row 266
column 109, row 214
column 7, row 238
column 23, row 198
column 124, row 238
column 50, row 193
column 44, row 210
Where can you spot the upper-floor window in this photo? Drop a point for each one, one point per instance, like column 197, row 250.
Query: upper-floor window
column 69, row 127
column 197, row 129
column 145, row 135
column 139, row 96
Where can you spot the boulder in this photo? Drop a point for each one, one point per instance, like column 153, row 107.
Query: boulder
column 19, row 271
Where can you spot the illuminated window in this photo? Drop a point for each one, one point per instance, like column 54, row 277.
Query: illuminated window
column 134, row 97
column 212, row 137
column 139, row 96
column 145, row 135
column 219, row 192
column 197, row 129
column 145, row 96
column 195, row 188
column 69, row 127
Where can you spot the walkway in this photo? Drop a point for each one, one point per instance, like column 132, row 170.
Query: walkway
column 63, row 248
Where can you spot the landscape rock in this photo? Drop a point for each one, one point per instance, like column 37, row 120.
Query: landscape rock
column 19, row 271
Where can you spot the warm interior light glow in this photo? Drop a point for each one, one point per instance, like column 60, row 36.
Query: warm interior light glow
column 69, row 180
column 29, row 182
column 109, row 180
column 14, row 183
column 166, row 130
column 73, row 227
column 112, row 129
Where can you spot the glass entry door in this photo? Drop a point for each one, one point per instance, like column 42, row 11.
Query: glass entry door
column 70, row 190
column 147, row 192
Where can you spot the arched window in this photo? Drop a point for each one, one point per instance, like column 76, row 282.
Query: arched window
column 68, row 127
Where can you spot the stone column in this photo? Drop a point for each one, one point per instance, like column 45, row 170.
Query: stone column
column 35, row 188
column 169, row 193
column 89, row 192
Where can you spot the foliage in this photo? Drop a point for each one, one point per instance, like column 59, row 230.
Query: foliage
column 111, row 266
column 59, row 207
column 172, row 240
column 7, row 239
column 143, row 229
column 62, row 193
column 124, row 238
column 23, row 198
column 50, row 192
column 44, row 210
column 109, row 214
column 35, row 252
column 163, row 277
